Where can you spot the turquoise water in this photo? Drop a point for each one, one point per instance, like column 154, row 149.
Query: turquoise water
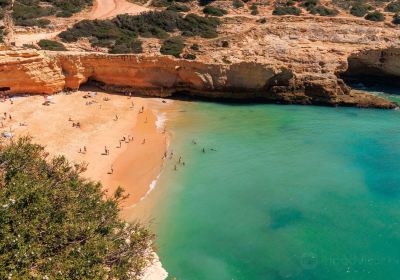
column 291, row 192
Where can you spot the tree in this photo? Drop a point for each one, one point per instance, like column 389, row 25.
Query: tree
column 57, row 225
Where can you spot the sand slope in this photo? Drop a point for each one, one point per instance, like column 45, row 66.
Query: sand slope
column 103, row 9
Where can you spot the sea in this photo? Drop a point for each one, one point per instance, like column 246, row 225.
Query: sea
column 263, row 191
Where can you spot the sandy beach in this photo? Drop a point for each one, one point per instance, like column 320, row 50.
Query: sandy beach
column 114, row 122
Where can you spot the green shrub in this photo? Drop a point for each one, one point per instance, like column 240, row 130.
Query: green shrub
column 359, row 10
column 254, row 9
column 262, row 20
column 309, row 3
column 28, row 15
column 172, row 46
column 189, row 56
column 127, row 45
column 125, row 28
column 51, row 45
column 195, row 47
column 375, row 16
column 194, row 25
column 393, row 7
column 279, row 11
column 323, row 11
column 178, row 8
column 396, row 19
column 29, row 12
column 205, row 2
column 56, row 224
column 214, row 11
column 161, row 3
column 2, row 34
column 238, row 4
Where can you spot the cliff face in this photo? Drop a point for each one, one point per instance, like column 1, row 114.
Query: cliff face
column 50, row 72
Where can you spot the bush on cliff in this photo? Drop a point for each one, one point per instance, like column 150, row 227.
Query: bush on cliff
column 51, row 45
column 393, row 7
column 214, row 11
column 123, row 28
column 2, row 33
column 359, row 10
column 127, row 45
column 290, row 10
column 238, row 4
column 57, row 225
column 375, row 16
column 396, row 19
column 254, row 9
column 205, row 2
column 178, row 8
column 194, row 25
column 172, row 46
column 323, row 11
column 29, row 12
column 28, row 15
column 309, row 3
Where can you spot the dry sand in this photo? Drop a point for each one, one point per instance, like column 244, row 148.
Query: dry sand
column 135, row 165
column 103, row 9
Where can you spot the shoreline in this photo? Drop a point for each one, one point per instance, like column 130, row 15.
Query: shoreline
column 104, row 119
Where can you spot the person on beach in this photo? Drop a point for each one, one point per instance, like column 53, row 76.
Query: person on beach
column 80, row 150
column 9, row 116
column 180, row 158
column 175, row 169
column 105, row 150
column 116, row 118
column 84, row 149
column 204, row 151
column 111, row 170
column 144, row 141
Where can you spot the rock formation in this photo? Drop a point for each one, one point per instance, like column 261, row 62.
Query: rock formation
column 37, row 72
column 295, row 60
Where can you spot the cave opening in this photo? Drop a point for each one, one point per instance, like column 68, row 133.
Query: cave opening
column 371, row 70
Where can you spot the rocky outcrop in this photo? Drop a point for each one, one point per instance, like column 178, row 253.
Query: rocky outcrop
column 50, row 72
column 375, row 65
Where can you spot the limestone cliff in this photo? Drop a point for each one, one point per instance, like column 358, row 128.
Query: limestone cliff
column 37, row 72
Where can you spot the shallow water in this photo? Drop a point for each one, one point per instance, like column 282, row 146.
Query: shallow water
column 291, row 192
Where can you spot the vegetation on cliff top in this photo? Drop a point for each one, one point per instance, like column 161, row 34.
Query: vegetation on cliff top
column 126, row 30
column 31, row 12
column 51, row 45
column 57, row 225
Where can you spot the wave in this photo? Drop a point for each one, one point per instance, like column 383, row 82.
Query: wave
column 160, row 121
